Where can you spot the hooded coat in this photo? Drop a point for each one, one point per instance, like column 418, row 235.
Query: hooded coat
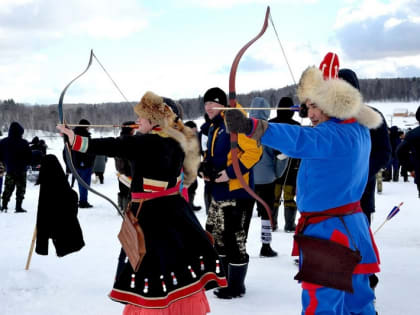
column 14, row 150
column 57, row 211
column 265, row 169
column 334, row 159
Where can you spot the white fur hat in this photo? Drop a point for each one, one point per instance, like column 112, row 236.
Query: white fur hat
column 336, row 98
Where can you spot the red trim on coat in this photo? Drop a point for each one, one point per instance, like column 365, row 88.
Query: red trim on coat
column 156, row 302
column 313, row 301
column 77, row 143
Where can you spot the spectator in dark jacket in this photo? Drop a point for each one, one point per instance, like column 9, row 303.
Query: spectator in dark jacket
column 408, row 152
column 395, row 138
column 16, row 155
column 286, row 184
column 83, row 162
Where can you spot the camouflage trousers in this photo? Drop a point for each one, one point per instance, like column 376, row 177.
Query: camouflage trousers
column 225, row 221
column 289, row 193
column 14, row 180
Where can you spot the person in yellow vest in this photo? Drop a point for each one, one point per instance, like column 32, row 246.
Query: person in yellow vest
column 231, row 206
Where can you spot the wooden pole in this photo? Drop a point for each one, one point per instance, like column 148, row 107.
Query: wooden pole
column 28, row 261
column 102, row 126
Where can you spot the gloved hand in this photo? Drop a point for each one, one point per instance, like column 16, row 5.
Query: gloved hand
column 236, row 121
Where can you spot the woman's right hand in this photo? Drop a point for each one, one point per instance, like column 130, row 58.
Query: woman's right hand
column 66, row 131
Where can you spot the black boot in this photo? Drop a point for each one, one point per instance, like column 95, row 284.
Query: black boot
column 267, row 251
column 19, row 208
column 289, row 219
column 4, row 206
column 236, row 282
column 395, row 176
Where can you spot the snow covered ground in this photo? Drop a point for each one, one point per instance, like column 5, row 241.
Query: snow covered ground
column 79, row 283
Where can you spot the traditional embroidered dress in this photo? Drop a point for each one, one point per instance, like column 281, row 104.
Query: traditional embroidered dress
column 180, row 262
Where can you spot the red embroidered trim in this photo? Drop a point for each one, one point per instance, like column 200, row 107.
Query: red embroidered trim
column 154, row 302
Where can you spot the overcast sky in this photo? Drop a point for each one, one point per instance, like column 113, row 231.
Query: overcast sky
column 180, row 48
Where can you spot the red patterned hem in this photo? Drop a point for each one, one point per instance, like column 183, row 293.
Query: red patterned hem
column 164, row 302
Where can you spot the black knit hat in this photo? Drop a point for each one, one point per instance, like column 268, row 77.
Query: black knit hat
column 350, row 77
column 216, row 95
column 172, row 105
column 418, row 114
column 285, row 102
column 84, row 122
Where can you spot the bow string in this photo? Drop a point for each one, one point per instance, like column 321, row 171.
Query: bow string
column 67, row 149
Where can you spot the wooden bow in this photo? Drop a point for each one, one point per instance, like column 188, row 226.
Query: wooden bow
column 232, row 103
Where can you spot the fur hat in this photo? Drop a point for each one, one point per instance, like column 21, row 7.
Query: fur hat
column 153, row 107
column 329, row 66
column 336, row 98
column 216, row 95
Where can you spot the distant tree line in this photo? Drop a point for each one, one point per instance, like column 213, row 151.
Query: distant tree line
column 45, row 117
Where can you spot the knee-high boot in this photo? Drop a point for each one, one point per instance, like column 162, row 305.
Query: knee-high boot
column 236, row 282
column 289, row 219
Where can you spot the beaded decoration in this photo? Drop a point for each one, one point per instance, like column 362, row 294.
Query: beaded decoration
column 133, row 281
column 146, row 285
column 174, row 280
column 201, row 263
column 163, row 284
column 192, row 272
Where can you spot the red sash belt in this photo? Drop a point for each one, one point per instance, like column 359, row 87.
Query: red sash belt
column 135, row 196
column 307, row 218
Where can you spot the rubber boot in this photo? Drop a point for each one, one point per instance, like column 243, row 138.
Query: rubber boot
column 236, row 282
column 289, row 219
column 267, row 251
column 19, row 206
